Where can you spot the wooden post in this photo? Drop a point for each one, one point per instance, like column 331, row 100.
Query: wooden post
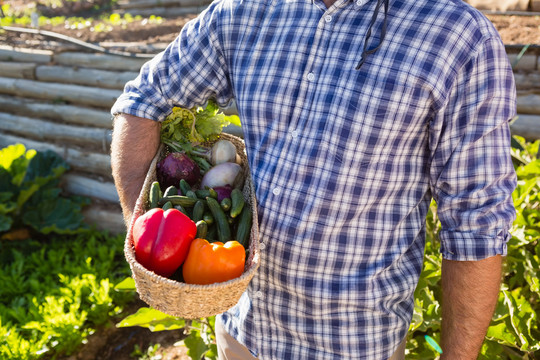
column 76, row 94
column 527, row 126
column 528, row 104
column 76, row 115
column 105, row 218
column 45, row 130
column 82, row 76
column 84, row 186
column 19, row 70
column 527, row 81
column 9, row 53
column 100, row 61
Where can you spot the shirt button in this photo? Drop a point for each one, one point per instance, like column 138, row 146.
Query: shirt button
column 311, row 76
column 294, row 134
column 328, row 18
column 262, row 246
column 259, row 294
column 276, row 191
column 361, row 2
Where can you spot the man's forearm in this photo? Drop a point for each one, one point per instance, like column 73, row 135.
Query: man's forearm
column 134, row 144
column 470, row 292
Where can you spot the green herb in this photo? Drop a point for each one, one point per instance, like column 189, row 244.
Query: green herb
column 184, row 129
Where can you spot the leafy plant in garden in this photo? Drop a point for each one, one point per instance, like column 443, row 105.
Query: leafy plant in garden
column 200, row 337
column 30, row 196
column 56, row 292
column 514, row 332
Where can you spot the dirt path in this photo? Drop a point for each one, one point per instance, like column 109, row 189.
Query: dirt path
column 513, row 30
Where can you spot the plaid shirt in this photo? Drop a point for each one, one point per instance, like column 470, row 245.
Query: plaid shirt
column 345, row 162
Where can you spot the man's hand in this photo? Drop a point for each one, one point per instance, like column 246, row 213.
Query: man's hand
column 135, row 142
column 470, row 292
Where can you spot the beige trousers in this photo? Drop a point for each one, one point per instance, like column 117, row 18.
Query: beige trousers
column 230, row 349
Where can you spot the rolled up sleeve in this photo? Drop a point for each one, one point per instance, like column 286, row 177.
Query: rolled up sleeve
column 472, row 175
column 187, row 73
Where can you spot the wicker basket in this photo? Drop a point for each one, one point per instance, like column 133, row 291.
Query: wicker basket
column 186, row 300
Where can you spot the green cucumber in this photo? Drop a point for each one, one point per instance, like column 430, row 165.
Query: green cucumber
column 223, row 228
column 213, row 193
column 226, row 204
column 181, row 209
column 211, row 235
column 155, row 195
column 168, row 205
column 171, row 190
column 243, row 229
column 184, row 186
column 202, row 194
column 198, row 211
column 191, row 194
column 202, row 229
column 178, row 200
column 208, row 218
column 238, row 202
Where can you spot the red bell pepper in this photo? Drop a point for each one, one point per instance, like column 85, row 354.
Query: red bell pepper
column 162, row 239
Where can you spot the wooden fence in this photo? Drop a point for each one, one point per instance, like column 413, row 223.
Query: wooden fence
column 61, row 102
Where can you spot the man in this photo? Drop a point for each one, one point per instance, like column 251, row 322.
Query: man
column 355, row 115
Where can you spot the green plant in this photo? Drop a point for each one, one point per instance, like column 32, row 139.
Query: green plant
column 149, row 354
column 514, row 332
column 30, row 196
column 56, row 292
column 200, row 336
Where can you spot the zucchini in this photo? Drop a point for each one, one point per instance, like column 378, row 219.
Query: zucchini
column 178, row 200
column 202, row 229
column 237, row 199
column 243, row 229
column 155, row 195
column 223, row 228
column 184, row 186
column 198, row 211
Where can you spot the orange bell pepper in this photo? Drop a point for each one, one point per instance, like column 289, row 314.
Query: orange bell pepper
column 209, row 263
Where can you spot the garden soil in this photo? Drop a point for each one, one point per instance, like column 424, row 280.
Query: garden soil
column 110, row 342
column 516, row 30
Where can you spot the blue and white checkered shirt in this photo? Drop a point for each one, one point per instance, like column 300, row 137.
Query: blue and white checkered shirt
column 345, row 162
